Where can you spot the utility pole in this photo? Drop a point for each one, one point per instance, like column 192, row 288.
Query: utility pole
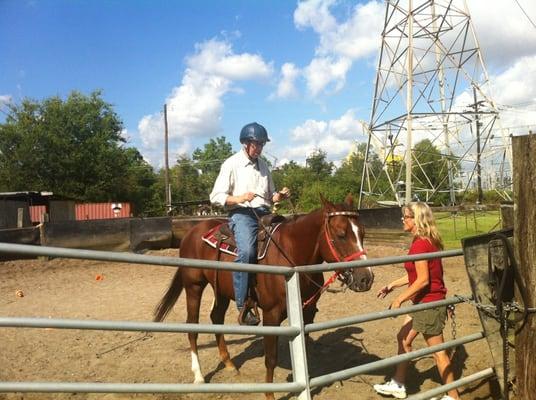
column 166, row 161
column 478, row 150
column 409, row 105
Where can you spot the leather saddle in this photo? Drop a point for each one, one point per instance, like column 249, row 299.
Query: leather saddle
column 222, row 236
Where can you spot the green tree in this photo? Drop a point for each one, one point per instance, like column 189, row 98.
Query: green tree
column 347, row 178
column 185, row 178
column 431, row 169
column 318, row 165
column 72, row 147
column 139, row 180
column 209, row 159
column 306, row 183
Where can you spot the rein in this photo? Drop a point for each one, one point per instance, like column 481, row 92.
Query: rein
column 322, row 288
column 271, row 237
column 331, row 244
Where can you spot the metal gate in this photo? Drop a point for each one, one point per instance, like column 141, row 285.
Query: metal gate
column 295, row 330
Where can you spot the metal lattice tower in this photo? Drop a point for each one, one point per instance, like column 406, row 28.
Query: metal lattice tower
column 431, row 83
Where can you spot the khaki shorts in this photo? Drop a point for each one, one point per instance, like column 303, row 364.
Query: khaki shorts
column 430, row 322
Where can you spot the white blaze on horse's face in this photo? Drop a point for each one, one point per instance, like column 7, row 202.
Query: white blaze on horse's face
column 363, row 277
column 355, row 229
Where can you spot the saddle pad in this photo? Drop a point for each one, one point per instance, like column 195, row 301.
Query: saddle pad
column 210, row 239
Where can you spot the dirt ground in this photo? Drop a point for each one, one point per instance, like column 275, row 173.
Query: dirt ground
column 77, row 289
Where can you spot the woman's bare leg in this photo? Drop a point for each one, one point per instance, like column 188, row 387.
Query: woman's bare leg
column 442, row 361
column 405, row 338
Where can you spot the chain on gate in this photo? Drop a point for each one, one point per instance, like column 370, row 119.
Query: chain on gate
column 451, row 313
column 502, row 309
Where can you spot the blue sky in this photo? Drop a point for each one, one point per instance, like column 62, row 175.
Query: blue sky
column 304, row 69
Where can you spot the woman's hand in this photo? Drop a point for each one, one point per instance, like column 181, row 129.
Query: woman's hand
column 395, row 304
column 384, row 291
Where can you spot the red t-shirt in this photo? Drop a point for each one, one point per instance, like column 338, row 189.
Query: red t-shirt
column 436, row 289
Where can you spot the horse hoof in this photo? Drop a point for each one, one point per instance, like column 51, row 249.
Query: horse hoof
column 199, row 380
column 231, row 368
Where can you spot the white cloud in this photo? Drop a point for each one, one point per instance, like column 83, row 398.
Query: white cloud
column 195, row 107
column 325, row 71
column 287, row 83
column 359, row 36
column 515, row 92
column 340, row 43
column 504, row 32
column 5, row 99
column 335, row 137
column 518, row 83
column 216, row 58
column 315, row 14
column 513, row 88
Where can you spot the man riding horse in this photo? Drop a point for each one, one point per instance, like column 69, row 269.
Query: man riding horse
column 245, row 187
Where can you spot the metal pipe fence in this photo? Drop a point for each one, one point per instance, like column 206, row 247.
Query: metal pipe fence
column 296, row 330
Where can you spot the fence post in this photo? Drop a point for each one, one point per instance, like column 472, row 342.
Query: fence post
column 524, row 177
column 298, row 354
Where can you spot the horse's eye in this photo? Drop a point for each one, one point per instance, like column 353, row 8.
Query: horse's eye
column 341, row 234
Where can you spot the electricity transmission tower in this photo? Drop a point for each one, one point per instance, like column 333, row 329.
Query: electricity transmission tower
column 431, row 83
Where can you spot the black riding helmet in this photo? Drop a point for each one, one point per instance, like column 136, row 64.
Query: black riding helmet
column 254, row 131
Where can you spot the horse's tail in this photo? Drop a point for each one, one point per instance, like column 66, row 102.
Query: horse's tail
column 170, row 298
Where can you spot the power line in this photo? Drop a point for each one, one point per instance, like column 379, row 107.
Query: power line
column 526, row 15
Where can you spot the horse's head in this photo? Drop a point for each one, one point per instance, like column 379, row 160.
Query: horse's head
column 342, row 240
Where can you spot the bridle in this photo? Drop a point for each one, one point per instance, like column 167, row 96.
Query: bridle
column 331, row 242
column 345, row 276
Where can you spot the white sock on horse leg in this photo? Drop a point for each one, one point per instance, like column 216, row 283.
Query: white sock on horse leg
column 196, row 369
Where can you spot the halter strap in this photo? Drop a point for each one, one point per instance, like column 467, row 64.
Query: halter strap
column 346, row 213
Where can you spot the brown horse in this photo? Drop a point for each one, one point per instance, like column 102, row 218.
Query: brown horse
column 332, row 233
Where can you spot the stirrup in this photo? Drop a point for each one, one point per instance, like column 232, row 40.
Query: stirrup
column 249, row 314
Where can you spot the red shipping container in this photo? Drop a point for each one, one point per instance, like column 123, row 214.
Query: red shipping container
column 85, row 211
column 102, row 210
column 36, row 212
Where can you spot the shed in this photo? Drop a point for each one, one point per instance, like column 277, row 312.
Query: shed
column 15, row 208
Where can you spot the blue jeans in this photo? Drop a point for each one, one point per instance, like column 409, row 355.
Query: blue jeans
column 243, row 222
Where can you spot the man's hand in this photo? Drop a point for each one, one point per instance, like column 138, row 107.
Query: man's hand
column 281, row 195
column 247, row 197
column 285, row 193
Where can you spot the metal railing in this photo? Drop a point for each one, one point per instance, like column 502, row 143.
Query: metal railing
column 295, row 330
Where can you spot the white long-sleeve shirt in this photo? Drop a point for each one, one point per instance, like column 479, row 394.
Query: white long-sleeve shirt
column 239, row 175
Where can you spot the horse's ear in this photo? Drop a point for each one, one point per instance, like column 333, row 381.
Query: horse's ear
column 325, row 202
column 349, row 200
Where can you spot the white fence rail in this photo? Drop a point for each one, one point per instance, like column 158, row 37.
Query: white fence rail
column 295, row 331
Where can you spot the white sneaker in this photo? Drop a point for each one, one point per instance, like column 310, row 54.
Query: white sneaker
column 391, row 388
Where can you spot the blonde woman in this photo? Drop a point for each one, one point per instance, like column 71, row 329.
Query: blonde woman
column 424, row 280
